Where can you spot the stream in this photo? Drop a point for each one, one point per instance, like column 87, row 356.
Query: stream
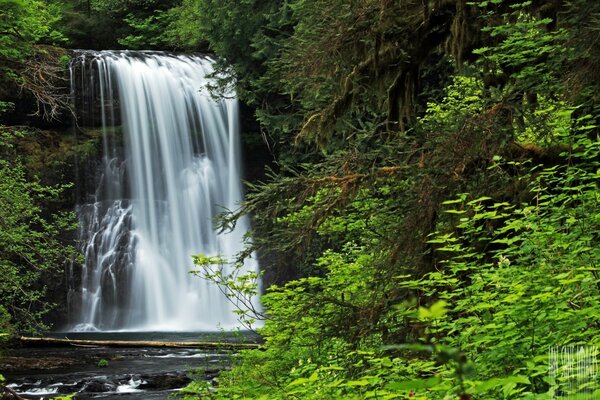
column 115, row 373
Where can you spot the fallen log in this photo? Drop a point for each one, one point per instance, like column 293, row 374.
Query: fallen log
column 55, row 342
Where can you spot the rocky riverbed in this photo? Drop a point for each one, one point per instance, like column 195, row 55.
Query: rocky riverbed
column 103, row 372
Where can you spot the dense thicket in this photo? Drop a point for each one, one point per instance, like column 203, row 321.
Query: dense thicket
column 33, row 249
column 33, row 232
column 435, row 193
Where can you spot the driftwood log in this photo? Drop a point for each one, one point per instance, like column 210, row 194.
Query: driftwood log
column 54, row 342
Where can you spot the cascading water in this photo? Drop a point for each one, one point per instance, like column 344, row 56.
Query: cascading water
column 162, row 183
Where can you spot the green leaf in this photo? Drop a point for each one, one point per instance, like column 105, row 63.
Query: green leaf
column 415, row 384
column 436, row 311
column 455, row 211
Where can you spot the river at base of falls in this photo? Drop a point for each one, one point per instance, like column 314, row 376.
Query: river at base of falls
column 131, row 373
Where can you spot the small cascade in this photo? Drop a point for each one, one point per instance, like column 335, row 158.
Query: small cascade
column 171, row 164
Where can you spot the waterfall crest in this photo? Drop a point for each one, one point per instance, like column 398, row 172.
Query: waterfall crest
column 174, row 166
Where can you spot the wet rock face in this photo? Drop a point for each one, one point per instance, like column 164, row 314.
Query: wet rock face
column 110, row 268
column 164, row 382
column 89, row 97
column 99, row 385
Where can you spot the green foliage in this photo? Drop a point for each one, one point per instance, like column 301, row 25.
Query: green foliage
column 28, row 63
column 31, row 253
column 513, row 281
column 6, row 328
column 6, row 106
column 536, row 284
column 184, row 30
column 108, row 24
column 443, row 236
column 464, row 97
column 238, row 285
column 67, row 397
column 24, row 22
column 103, row 363
column 148, row 32
column 527, row 54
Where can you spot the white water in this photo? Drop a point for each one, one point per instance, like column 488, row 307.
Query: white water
column 157, row 199
column 131, row 386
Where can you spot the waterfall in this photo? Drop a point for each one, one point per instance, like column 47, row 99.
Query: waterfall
column 171, row 164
